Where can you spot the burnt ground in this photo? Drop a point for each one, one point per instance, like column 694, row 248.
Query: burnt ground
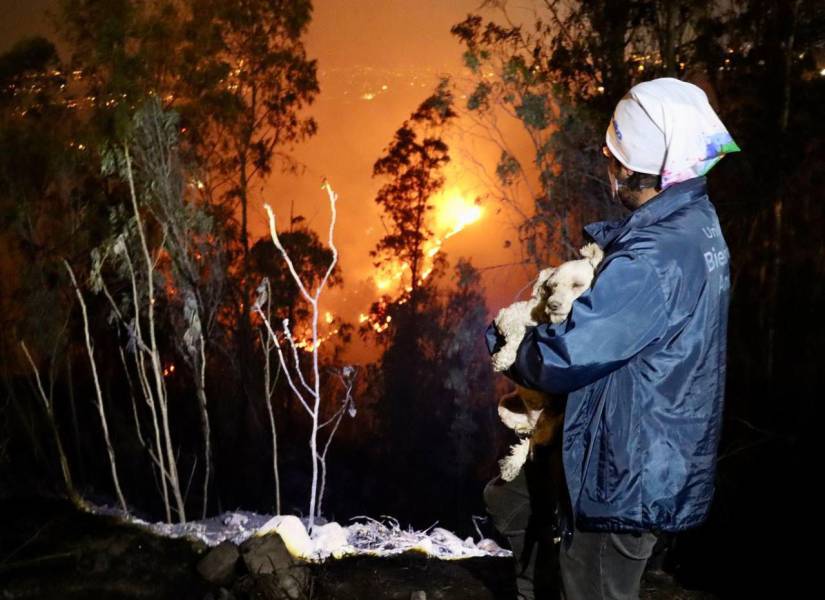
column 48, row 549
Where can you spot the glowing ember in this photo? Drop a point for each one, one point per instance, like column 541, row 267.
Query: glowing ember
column 305, row 342
column 328, row 317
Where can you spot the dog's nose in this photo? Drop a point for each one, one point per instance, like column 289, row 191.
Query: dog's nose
column 553, row 305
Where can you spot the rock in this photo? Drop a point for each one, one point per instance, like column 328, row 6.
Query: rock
column 329, row 539
column 221, row 594
column 419, row 595
column 218, row 565
column 292, row 586
column 293, row 533
column 265, row 554
column 268, row 555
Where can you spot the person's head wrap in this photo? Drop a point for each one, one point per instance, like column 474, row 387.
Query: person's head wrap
column 666, row 127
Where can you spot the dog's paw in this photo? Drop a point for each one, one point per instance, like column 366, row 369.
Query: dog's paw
column 593, row 253
column 503, row 359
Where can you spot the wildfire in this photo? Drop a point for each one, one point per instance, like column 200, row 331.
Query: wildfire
column 377, row 323
column 453, row 212
column 307, row 345
column 380, row 327
column 303, row 341
column 390, row 275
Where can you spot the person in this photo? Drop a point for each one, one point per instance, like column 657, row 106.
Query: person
column 642, row 353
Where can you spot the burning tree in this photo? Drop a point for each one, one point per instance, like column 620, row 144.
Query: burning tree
column 413, row 164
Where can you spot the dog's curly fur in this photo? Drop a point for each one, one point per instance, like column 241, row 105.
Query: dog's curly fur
column 534, row 415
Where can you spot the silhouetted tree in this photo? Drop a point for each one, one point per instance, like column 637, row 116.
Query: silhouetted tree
column 411, row 410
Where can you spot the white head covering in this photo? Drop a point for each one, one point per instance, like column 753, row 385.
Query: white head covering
column 667, row 127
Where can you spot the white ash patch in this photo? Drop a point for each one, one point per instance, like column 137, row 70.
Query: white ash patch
column 366, row 536
column 235, row 526
column 388, row 538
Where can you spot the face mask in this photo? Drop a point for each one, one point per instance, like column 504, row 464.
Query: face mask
column 620, row 191
column 614, row 185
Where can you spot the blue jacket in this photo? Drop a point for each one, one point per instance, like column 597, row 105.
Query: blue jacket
column 642, row 359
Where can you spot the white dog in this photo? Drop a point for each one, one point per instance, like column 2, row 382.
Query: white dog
column 534, row 415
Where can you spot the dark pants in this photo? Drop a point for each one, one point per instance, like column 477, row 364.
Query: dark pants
column 604, row 566
column 589, row 566
column 524, row 511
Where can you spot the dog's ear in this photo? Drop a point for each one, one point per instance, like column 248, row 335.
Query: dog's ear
column 592, row 253
column 542, row 278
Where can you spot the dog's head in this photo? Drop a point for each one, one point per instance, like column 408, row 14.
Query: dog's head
column 568, row 281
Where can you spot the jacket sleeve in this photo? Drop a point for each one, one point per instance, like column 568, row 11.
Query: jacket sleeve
column 608, row 325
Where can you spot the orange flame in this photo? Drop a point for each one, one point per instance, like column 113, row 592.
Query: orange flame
column 453, row 213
